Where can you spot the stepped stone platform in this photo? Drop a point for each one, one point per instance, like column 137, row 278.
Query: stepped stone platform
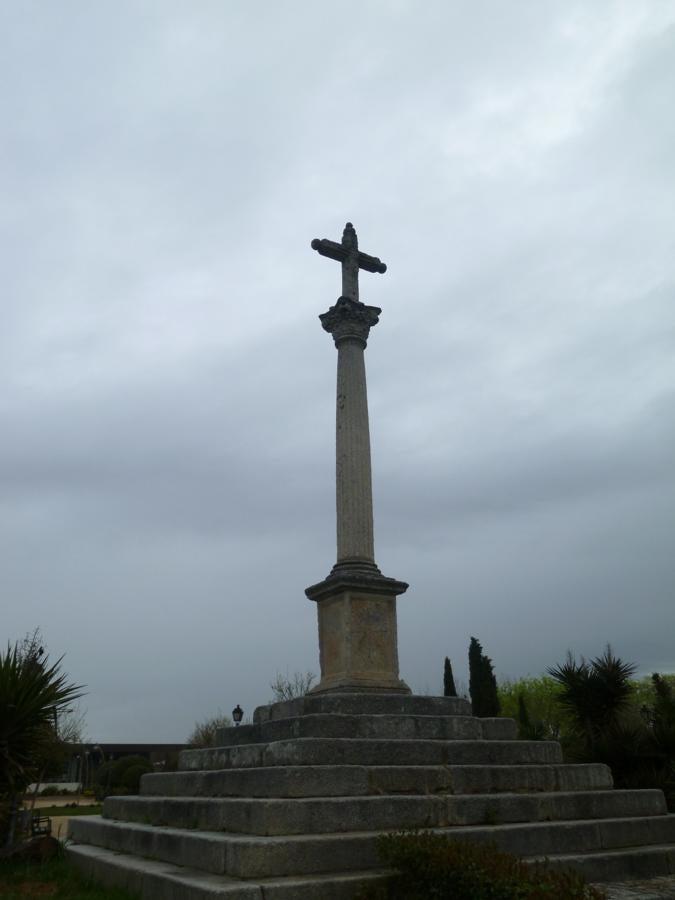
column 290, row 807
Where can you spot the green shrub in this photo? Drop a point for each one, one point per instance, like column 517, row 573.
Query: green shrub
column 120, row 777
column 629, row 725
column 49, row 790
column 431, row 867
column 131, row 779
column 540, row 697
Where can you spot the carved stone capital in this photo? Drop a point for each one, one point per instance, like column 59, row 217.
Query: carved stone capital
column 350, row 320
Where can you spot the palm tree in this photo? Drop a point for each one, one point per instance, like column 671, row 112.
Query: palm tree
column 31, row 693
column 594, row 693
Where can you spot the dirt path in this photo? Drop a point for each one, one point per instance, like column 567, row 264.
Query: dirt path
column 60, row 823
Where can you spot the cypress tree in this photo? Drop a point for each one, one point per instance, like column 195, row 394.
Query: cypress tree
column 482, row 682
column 475, row 653
column 449, row 689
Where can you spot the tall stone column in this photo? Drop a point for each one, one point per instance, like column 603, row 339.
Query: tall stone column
column 356, row 604
column 349, row 323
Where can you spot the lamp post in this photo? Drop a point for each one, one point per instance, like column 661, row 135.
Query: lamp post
column 101, row 759
column 237, row 714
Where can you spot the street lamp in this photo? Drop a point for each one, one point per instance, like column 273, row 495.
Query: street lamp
column 237, row 714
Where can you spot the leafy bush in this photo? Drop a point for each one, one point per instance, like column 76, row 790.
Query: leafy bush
column 131, row 779
column 543, row 714
column 50, row 789
column 120, row 777
column 628, row 725
column 431, row 867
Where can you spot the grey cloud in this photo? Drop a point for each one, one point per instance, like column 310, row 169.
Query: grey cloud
column 166, row 468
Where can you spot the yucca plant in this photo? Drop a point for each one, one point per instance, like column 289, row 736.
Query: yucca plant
column 595, row 693
column 31, row 694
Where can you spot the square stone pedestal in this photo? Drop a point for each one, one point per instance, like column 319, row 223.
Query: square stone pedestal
column 358, row 643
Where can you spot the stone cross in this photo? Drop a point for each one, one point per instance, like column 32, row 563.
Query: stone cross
column 350, row 321
column 352, row 259
column 356, row 603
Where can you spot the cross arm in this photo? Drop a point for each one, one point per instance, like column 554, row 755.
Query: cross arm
column 371, row 263
column 339, row 252
column 331, row 249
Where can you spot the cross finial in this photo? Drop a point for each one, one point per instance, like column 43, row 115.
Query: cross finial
column 347, row 252
column 349, row 238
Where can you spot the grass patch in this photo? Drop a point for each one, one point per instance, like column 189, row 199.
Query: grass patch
column 93, row 810
column 53, row 880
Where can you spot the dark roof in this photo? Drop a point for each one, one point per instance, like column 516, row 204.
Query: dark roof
column 128, row 748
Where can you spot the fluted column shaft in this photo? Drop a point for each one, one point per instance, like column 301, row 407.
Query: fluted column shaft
column 354, row 493
column 350, row 322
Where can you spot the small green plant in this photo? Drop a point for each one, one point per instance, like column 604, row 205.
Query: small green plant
column 431, row 867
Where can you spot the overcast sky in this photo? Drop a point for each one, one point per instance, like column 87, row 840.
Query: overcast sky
column 167, row 453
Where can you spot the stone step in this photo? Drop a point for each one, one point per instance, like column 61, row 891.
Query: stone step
column 358, row 751
column 549, row 807
column 153, row 880
column 354, row 781
column 282, row 817
column 240, row 856
column 343, row 814
column 496, row 779
column 574, row 837
column 363, row 705
column 628, row 863
column 252, row 856
column 301, row 781
column 334, row 725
